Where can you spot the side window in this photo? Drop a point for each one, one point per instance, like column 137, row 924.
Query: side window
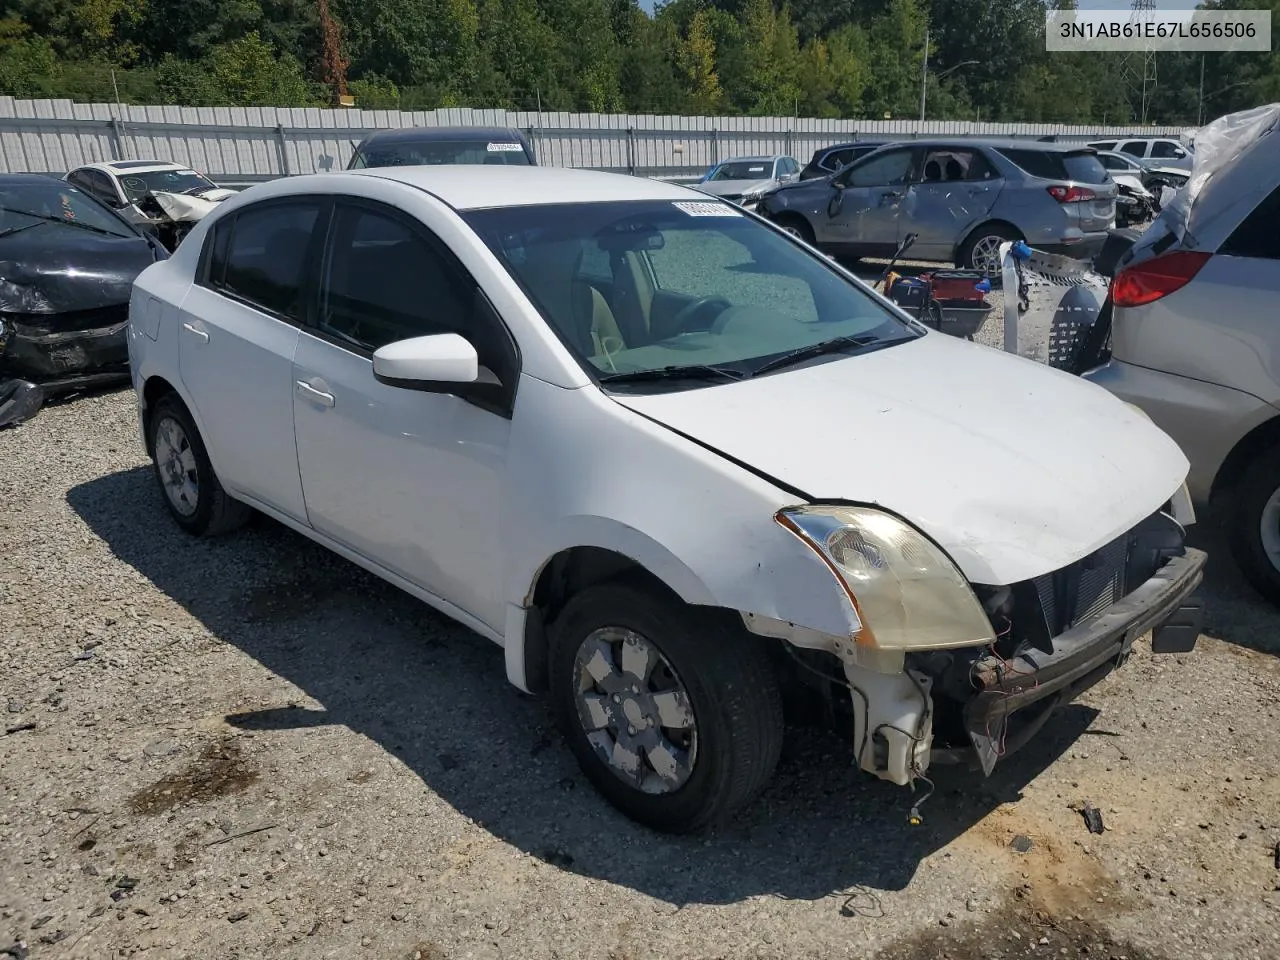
column 265, row 256
column 1258, row 235
column 1135, row 148
column 836, row 159
column 886, row 170
column 79, row 178
column 1112, row 163
column 1167, row 150
column 383, row 282
column 950, row 165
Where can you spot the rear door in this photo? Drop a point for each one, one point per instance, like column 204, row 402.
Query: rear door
column 953, row 190
column 238, row 330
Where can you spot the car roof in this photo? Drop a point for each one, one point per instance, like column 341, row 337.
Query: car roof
column 748, row 159
column 24, row 179
column 134, row 166
column 998, row 143
column 420, row 134
column 478, row 186
column 853, row 143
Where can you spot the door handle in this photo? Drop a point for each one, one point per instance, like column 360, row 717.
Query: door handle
column 196, row 332
column 312, row 393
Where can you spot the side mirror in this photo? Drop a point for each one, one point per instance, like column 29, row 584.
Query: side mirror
column 422, row 362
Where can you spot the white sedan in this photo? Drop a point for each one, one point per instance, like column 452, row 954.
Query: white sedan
column 685, row 470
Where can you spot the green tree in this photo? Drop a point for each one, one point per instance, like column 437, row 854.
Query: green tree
column 896, row 48
column 696, row 61
column 28, row 65
column 771, row 58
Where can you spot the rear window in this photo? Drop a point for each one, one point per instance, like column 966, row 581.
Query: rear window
column 412, row 153
column 1258, row 235
column 1036, row 162
column 1082, row 167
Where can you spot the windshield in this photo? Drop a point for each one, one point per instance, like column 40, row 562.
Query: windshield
column 413, row 153
column 54, row 205
column 138, row 185
column 743, row 170
column 655, row 285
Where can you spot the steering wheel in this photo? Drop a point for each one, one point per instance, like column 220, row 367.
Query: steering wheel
column 682, row 321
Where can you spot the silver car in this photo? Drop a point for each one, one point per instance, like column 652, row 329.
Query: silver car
column 1164, row 151
column 744, row 180
column 962, row 199
column 1195, row 344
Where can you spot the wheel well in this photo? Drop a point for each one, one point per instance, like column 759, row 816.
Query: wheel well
column 790, row 216
column 955, row 256
column 1252, row 445
column 152, row 391
column 568, row 572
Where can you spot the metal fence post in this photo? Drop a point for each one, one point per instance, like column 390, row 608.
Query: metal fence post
column 631, row 151
column 790, row 143
column 533, row 143
column 283, row 146
column 715, row 146
column 117, row 139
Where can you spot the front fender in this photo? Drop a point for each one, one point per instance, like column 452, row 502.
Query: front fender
column 611, row 478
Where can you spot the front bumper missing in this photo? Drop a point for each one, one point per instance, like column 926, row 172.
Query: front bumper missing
column 1014, row 698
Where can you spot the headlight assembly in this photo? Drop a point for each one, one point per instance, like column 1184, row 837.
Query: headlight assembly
column 906, row 592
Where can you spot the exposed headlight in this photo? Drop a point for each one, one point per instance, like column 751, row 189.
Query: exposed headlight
column 906, row 592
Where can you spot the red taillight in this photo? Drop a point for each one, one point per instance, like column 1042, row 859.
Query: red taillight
column 1156, row 278
column 1071, row 194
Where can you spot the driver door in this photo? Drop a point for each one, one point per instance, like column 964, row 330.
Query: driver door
column 866, row 203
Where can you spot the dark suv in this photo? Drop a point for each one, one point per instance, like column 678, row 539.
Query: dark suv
column 417, row 146
column 829, row 160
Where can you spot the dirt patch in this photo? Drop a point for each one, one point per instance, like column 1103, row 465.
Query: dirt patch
column 220, row 770
column 1017, row 931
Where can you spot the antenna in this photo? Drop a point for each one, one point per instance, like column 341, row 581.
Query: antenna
column 1138, row 69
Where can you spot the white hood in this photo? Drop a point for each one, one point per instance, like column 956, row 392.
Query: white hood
column 1015, row 468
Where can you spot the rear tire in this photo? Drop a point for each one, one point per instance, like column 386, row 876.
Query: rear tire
column 629, row 663
column 980, row 250
column 1253, row 525
column 190, row 488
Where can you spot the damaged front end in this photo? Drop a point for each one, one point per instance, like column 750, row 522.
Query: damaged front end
column 171, row 216
column 909, row 703
column 64, row 314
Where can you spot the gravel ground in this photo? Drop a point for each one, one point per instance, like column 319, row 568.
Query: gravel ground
column 249, row 748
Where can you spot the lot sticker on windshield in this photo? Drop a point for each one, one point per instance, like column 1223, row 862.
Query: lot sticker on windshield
column 696, row 208
column 504, row 148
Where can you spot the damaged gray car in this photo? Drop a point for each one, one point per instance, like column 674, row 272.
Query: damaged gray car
column 67, row 266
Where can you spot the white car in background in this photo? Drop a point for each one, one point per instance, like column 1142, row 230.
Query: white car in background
column 152, row 193
column 675, row 462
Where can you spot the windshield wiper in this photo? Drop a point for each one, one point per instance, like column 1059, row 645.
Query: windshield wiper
column 10, row 231
column 834, row 345
column 70, row 223
column 694, row 372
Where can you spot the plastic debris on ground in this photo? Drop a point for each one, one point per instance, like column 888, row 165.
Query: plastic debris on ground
column 1051, row 305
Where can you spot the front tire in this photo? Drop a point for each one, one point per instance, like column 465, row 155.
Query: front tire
column 1253, row 525
column 673, row 715
column 191, row 489
column 797, row 226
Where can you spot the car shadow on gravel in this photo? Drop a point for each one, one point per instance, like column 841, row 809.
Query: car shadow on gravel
column 434, row 695
column 1234, row 611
